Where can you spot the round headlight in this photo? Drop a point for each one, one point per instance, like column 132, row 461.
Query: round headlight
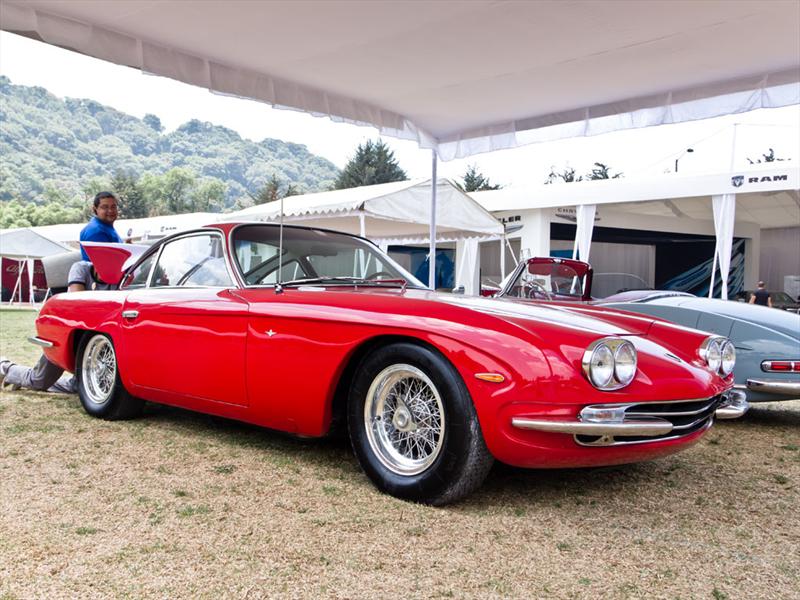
column 714, row 355
column 601, row 366
column 625, row 363
column 728, row 354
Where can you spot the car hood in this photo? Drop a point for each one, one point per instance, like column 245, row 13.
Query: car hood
column 571, row 315
column 782, row 321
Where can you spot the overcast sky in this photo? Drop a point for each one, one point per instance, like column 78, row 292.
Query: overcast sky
column 644, row 152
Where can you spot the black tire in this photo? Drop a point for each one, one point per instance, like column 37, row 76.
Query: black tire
column 99, row 387
column 432, row 451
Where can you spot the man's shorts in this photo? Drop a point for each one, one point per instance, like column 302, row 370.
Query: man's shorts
column 81, row 272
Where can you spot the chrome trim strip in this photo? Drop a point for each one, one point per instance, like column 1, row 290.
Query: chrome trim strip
column 40, row 342
column 644, row 427
column 683, row 413
column 605, row 442
column 690, row 425
column 789, row 388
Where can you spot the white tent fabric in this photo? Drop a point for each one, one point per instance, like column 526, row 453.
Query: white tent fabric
column 26, row 243
column 24, row 246
column 461, row 77
column 583, row 231
column 724, row 219
column 398, row 211
column 467, row 263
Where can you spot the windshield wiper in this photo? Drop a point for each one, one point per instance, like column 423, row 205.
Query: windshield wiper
column 355, row 281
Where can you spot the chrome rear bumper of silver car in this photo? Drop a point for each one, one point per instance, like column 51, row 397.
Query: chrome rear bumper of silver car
column 786, row 388
column 613, row 424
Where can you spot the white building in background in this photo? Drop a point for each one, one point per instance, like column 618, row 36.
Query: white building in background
column 639, row 226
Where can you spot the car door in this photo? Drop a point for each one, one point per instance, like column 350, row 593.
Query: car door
column 183, row 330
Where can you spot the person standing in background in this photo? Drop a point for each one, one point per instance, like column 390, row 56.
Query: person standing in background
column 761, row 296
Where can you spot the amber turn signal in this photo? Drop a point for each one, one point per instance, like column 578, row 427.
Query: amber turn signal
column 490, row 377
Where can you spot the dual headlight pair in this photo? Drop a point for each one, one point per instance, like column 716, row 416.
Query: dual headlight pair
column 610, row 363
column 719, row 354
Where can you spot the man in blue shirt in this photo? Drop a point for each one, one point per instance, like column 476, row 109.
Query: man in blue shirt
column 46, row 375
column 99, row 229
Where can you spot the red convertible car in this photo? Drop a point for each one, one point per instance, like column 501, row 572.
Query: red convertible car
column 302, row 329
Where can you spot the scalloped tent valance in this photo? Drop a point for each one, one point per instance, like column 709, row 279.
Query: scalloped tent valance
column 461, row 77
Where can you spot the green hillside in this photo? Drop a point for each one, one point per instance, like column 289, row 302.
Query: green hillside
column 55, row 151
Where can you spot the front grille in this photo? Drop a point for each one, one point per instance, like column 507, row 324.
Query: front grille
column 686, row 416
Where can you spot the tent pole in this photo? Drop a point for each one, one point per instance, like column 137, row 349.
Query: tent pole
column 432, row 253
column 17, row 284
column 503, row 254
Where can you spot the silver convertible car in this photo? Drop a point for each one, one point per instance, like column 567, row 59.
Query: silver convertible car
column 767, row 340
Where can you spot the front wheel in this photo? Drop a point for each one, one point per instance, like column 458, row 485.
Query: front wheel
column 413, row 426
column 99, row 387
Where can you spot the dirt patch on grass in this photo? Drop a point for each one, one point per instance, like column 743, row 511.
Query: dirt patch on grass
column 181, row 505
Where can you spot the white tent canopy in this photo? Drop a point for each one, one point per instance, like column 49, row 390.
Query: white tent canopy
column 394, row 213
column 24, row 246
column 26, row 243
column 460, row 76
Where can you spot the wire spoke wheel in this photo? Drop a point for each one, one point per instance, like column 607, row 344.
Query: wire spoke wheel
column 404, row 419
column 99, row 370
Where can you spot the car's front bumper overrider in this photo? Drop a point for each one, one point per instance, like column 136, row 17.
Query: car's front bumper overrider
column 641, row 422
column 784, row 388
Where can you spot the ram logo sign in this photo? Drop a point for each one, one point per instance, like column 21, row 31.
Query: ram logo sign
column 739, row 180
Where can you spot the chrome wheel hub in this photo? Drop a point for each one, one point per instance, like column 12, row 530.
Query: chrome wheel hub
column 99, row 369
column 404, row 419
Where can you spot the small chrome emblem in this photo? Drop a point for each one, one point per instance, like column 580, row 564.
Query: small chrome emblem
column 737, row 180
column 270, row 333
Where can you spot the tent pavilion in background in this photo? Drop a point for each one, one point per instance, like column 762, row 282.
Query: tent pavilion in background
column 22, row 248
column 392, row 214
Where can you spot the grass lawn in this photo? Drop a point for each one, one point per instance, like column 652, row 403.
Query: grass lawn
column 180, row 505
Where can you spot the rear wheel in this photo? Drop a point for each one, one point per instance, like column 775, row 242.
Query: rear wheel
column 99, row 387
column 413, row 426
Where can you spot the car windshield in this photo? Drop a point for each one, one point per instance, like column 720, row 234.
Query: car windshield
column 546, row 279
column 609, row 284
column 782, row 297
column 312, row 256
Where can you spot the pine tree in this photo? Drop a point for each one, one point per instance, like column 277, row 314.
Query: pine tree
column 374, row 162
column 475, row 181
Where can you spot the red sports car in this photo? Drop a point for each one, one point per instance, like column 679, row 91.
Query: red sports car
column 304, row 330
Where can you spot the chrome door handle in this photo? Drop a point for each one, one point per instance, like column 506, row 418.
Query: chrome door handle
column 130, row 314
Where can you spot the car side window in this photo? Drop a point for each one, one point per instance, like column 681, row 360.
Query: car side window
column 138, row 277
column 196, row 260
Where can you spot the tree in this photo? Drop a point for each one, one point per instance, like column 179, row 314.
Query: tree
column 153, row 122
column 373, row 163
column 132, row 200
column 273, row 190
column 767, row 158
column 474, row 181
column 209, row 196
column 176, row 189
column 567, row 175
column 601, row 171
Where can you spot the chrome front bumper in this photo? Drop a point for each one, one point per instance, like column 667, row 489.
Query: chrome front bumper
column 785, row 388
column 610, row 421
